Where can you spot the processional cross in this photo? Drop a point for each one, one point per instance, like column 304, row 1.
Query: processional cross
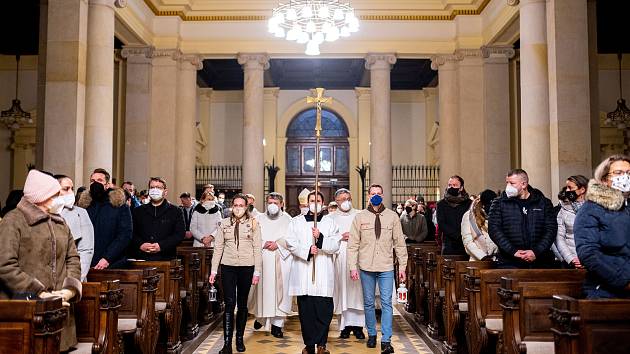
column 318, row 100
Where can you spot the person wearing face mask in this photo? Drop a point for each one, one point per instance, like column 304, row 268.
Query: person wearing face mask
column 602, row 230
column 79, row 222
column 450, row 211
column 237, row 249
column 414, row 225
column 475, row 228
column 348, row 294
column 313, row 249
column 269, row 301
column 158, row 227
column 303, row 201
column 428, row 213
column 522, row 224
column 400, row 209
column 576, row 187
column 375, row 233
column 205, row 220
column 111, row 218
column 221, row 204
column 251, row 205
column 39, row 257
column 187, row 205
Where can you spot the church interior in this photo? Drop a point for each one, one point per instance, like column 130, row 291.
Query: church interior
column 215, row 92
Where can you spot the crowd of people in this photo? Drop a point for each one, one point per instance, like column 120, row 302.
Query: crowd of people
column 329, row 261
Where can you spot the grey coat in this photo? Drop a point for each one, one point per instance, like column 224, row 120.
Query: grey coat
column 82, row 230
column 565, row 242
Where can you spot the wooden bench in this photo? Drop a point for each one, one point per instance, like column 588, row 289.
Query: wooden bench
column 421, row 289
column 526, row 323
column 455, row 308
column 412, row 286
column 484, row 323
column 138, row 324
column 436, row 292
column 31, row 326
column 97, row 318
column 168, row 305
column 192, row 258
column 581, row 326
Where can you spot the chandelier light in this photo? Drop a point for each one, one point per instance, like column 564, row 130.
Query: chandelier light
column 313, row 22
column 620, row 117
column 15, row 116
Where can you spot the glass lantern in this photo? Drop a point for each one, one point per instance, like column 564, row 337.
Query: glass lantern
column 212, row 294
column 402, row 294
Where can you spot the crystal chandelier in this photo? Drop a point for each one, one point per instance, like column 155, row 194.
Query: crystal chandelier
column 620, row 117
column 15, row 116
column 312, row 22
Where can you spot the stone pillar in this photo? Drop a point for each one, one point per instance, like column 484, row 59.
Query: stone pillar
column 569, row 102
column 61, row 82
column 535, row 144
column 186, row 121
column 364, row 98
column 593, row 65
column 380, row 65
column 270, row 115
column 254, row 66
column 449, row 135
column 99, row 93
column 204, row 96
column 431, row 118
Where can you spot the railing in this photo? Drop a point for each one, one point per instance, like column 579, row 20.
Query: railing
column 225, row 178
column 411, row 181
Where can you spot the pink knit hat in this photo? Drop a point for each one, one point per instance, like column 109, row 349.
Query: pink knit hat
column 39, row 187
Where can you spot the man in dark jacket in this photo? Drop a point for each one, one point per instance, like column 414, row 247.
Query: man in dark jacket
column 523, row 224
column 450, row 211
column 111, row 219
column 158, row 227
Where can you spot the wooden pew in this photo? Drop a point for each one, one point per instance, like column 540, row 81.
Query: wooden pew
column 411, row 283
column 167, row 301
column 422, row 280
column 97, row 317
column 31, row 326
column 484, row 323
column 436, row 292
column 581, row 326
column 138, row 324
column 526, row 324
column 455, row 307
column 192, row 258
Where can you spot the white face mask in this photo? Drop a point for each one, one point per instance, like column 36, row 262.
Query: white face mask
column 145, row 201
column 345, row 205
column 221, row 200
column 68, row 200
column 304, row 210
column 208, row 205
column 511, row 191
column 238, row 211
column 273, row 209
column 155, row 194
column 312, row 207
column 621, row 183
column 56, row 206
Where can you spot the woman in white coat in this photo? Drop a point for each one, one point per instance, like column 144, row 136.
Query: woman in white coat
column 205, row 220
column 475, row 236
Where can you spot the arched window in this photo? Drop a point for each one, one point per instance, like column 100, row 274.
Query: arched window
column 303, row 125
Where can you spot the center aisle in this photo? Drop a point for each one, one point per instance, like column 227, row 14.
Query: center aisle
column 404, row 340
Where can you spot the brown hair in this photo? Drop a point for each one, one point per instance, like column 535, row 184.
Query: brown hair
column 374, row 185
column 157, row 179
column 207, row 194
column 519, row 172
column 580, row 181
column 103, row 172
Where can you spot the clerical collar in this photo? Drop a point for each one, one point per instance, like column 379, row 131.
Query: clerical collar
column 310, row 216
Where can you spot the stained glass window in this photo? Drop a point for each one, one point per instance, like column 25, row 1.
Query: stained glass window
column 303, row 125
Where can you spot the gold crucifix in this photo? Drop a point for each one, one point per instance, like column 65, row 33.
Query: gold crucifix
column 318, row 100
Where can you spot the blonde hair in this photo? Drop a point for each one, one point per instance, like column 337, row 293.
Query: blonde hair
column 206, row 195
column 603, row 169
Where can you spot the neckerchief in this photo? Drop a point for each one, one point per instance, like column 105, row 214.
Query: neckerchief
column 377, row 221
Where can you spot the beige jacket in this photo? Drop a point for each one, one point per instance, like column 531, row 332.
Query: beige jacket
column 367, row 253
column 248, row 252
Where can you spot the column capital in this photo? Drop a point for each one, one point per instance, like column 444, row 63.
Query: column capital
column 137, row 51
column 195, row 61
column 363, row 92
column 506, row 51
column 253, row 61
column 438, row 60
column 430, row 91
column 110, row 3
column 205, row 93
column 271, row 92
column 513, row 2
column 382, row 61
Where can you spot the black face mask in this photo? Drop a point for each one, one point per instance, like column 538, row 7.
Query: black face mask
column 408, row 210
column 251, row 207
column 453, row 191
column 486, row 208
column 98, row 192
column 571, row 196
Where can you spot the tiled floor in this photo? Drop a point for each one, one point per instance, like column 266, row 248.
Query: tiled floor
column 404, row 340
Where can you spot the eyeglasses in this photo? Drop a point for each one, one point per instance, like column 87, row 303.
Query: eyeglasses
column 619, row 173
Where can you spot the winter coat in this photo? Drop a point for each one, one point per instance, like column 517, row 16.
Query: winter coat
column 565, row 242
column 38, row 254
column 514, row 227
column 477, row 245
column 163, row 225
column 82, row 230
column 112, row 227
column 602, row 237
column 449, row 219
column 414, row 228
column 204, row 222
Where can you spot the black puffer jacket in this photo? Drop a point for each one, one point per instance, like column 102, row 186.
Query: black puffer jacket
column 531, row 225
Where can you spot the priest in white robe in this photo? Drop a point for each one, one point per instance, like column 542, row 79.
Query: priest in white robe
column 313, row 248
column 269, row 301
column 348, row 295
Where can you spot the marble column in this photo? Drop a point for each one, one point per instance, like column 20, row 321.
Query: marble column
column 449, row 130
column 186, row 124
column 431, row 118
column 593, row 65
column 569, row 86
column 380, row 66
column 271, row 150
column 205, row 149
column 61, row 87
column 535, row 138
column 99, row 93
column 254, row 66
column 364, row 100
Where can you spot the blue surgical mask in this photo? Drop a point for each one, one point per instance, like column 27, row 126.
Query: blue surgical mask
column 376, row 200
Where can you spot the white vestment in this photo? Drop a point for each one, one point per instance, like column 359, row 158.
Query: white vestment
column 270, row 298
column 299, row 242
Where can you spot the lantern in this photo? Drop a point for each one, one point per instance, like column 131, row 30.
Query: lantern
column 402, row 294
column 212, row 297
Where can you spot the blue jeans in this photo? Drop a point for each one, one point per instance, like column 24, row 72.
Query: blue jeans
column 386, row 286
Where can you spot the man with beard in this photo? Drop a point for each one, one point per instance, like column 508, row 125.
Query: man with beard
column 269, row 300
column 111, row 219
column 450, row 211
